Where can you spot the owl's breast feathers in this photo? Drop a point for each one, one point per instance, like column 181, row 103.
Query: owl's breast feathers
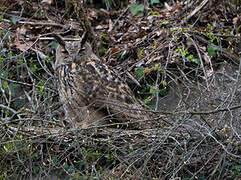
column 90, row 90
column 95, row 84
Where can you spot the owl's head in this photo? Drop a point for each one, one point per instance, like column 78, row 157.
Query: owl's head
column 71, row 48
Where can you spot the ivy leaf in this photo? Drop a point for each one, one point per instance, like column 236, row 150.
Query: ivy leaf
column 212, row 50
column 156, row 67
column 147, row 100
column 14, row 19
column 131, row 148
column 137, row 9
column 140, row 54
column 14, row 88
column 163, row 83
column 196, row 60
column 53, row 45
column 146, row 70
column 153, row 89
column 154, row 1
column 3, row 50
column 139, row 72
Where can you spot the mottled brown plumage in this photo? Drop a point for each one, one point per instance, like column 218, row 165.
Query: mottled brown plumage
column 92, row 93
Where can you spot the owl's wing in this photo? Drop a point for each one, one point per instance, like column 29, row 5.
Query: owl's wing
column 102, row 88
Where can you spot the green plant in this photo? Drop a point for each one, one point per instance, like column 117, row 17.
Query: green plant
column 147, row 78
column 137, row 9
column 89, row 154
column 14, row 19
column 212, row 37
column 212, row 50
column 235, row 170
column 154, row 2
column 139, row 72
column 103, row 45
column 151, row 12
column 184, row 53
column 4, row 176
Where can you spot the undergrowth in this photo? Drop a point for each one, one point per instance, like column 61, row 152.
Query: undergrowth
column 199, row 63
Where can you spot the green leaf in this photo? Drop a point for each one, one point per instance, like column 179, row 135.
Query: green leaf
column 137, row 9
column 156, row 67
column 55, row 160
column 212, row 50
column 14, row 19
column 153, row 89
column 10, row 53
column 47, row 58
column 21, row 61
column 1, row 17
column 34, row 67
column 53, row 45
column 5, row 85
column 14, row 88
column 193, row 59
column 154, row 1
column 65, row 165
column 140, row 53
column 131, row 148
column 147, row 100
column 139, row 72
column 196, row 60
column 146, row 70
column 190, row 57
column 163, row 83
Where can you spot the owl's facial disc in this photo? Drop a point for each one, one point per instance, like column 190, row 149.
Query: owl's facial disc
column 73, row 48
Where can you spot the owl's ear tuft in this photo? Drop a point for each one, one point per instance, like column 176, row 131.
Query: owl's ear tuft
column 84, row 38
column 59, row 39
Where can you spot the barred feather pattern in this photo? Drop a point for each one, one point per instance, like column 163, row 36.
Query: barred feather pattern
column 93, row 94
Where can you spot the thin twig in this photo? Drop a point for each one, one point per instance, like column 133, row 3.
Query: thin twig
column 26, row 84
column 116, row 21
column 38, row 23
column 10, row 109
column 203, row 3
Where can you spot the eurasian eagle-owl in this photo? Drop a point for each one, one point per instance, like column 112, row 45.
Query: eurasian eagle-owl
column 91, row 92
